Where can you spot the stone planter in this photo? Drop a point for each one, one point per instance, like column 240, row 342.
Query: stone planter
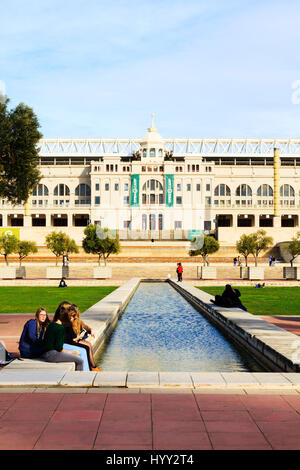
column 102, row 272
column 21, row 272
column 254, row 273
column 244, row 272
column 7, row 272
column 206, row 272
column 57, row 272
column 290, row 272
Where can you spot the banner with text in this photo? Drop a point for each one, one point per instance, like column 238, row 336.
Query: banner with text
column 135, row 188
column 169, row 190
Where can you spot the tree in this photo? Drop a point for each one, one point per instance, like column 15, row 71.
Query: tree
column 260, row 242
column 61, row 244
column 245, row 246
column 210, row 245
column 19, row 155
column 24, row 248
column 294, row 248
column 8, row 245
column 100, row 242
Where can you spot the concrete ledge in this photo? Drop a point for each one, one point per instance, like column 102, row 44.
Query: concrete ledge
column 142, row 379
column 110, row 379
column 175, row 379
column 37, row 364
column 270, row 344
column 31, row 378
column 218, row 381
column 74, row 379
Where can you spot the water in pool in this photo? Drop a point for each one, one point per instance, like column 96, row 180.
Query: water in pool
column 161, row 331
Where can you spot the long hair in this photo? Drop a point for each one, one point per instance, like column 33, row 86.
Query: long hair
column 39, row 324
column 76, row 323
column 60, row 310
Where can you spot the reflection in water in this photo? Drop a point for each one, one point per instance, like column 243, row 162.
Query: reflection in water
column 161, row 331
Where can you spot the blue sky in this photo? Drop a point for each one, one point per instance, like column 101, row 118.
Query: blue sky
column 99, row 68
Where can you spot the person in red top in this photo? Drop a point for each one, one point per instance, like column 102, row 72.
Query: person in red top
column 179, row 271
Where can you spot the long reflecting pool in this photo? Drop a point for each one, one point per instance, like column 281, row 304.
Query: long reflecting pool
column 161, row 331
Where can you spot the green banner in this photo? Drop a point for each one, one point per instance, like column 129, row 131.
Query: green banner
column 11, row 231
column 169, row 190
column 135, row 188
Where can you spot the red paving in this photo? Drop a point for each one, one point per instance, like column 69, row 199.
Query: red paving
column 146, row 421
column 120, row 421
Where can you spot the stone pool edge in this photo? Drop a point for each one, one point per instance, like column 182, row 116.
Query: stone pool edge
column 103, row 317
column 273, row 346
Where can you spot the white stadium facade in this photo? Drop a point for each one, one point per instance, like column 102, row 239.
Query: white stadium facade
column 163, row 189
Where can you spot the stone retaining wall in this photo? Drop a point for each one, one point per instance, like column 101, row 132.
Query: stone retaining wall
column 274, row 347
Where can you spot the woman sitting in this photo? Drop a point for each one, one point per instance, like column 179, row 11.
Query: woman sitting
column 74, row 336
column 55, row 350
column 31, row 344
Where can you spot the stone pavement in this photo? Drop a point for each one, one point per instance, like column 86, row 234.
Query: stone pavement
column 148, row 421
column 146, row 418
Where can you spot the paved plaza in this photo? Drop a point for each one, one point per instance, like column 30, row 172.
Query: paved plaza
column 146, row 419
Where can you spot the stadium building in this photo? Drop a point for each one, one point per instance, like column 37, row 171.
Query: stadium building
column 157, row 188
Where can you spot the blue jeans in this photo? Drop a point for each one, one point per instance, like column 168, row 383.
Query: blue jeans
column 82, row 354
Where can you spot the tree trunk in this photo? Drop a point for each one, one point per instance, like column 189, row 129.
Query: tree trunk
column 56, row 260
column 6, row 260
column 99, row 259
column 246, row 261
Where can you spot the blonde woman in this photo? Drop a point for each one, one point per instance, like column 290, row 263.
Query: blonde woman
column 77, row 331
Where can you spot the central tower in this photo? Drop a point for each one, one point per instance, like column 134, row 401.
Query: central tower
column 152, row 144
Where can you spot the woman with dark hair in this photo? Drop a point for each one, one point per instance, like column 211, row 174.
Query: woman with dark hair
column 55, row 350
column 31, row 344
column 229, row 298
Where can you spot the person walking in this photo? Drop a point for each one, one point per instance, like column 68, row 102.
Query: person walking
column 179, row 271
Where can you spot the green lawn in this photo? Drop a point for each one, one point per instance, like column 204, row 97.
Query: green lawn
column 266, row 301
column 29, row 299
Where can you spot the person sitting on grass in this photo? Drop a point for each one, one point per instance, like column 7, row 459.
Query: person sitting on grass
column 55, row 348
column 62, row 283
column 74, row 334
column 229, row 298
column 31, row 343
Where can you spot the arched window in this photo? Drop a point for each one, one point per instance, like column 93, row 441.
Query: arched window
column 152, row 152
column 40, row 190
column 160, row 152
column 40, row 195
column 222, row 190
column 287, row 195
column 243, row 195
column 62, row 192
column 152, row 192
column 265, row 190
column 82, row 194
column 243, row 190
column 287, row 191
column 265, row 195
column 222, row 195
column 144, row 152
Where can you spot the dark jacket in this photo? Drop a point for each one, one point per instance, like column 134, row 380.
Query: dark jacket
column 31, row 344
